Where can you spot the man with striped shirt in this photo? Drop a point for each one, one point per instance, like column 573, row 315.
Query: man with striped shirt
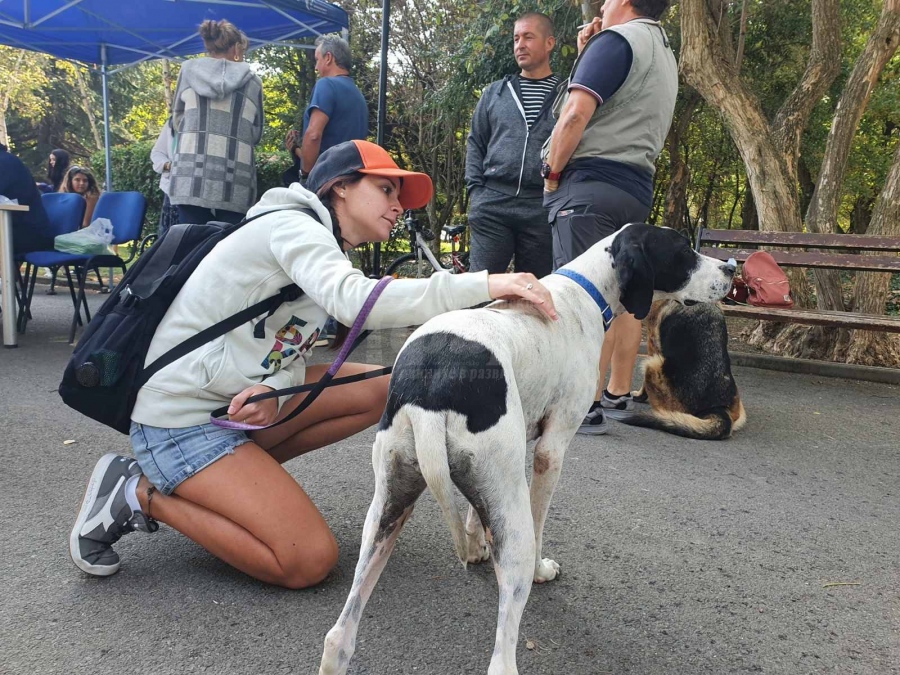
column 511, row 122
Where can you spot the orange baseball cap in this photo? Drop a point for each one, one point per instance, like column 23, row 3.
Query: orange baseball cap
column 343, row 159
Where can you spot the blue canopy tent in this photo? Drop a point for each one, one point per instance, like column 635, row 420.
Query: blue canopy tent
column 124, row 33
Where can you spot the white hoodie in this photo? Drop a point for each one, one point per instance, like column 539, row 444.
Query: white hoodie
column 254, row 263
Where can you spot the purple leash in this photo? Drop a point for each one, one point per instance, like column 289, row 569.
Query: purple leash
column 315, row 389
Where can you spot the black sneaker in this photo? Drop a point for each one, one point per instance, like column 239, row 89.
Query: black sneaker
column 640, row 398
column 105, row 516
column 594, row 423
column 617, row 407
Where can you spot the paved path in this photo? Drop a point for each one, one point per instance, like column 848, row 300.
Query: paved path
column 678, row 556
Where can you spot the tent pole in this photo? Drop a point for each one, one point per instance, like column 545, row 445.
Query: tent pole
column 105, row 79
column 382, row 104
column 104, row 76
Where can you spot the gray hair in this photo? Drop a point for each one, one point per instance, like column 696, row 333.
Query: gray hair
column 337, row 47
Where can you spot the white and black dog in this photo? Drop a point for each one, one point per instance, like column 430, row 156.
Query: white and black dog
column 470, row 389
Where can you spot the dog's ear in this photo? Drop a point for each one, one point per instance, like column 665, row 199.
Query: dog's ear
column 635, row 274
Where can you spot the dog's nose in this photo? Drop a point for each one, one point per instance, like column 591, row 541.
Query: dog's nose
column 730, row 267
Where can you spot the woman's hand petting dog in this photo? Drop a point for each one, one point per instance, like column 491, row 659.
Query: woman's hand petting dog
column 522, row 285
column 261, row 413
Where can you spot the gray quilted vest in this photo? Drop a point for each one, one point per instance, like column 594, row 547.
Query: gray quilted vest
column 631, row 126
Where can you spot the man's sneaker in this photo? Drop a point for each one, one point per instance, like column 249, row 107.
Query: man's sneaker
column 594, row 423
column 640, row 398
column 105, row 516
column 617, row 407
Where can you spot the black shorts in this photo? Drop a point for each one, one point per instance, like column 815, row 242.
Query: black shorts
column 582, row 213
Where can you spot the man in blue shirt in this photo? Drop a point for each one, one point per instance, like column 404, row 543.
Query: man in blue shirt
column 31, row 230
column 337, row 111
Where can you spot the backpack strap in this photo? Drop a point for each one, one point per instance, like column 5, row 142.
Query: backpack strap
column 269, row 305
column 287, row 294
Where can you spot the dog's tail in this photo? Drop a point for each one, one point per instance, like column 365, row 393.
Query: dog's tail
column 430, row 432
column 712, row 425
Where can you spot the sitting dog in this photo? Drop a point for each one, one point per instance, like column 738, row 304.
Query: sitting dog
column 687, row 376
column 470, row 388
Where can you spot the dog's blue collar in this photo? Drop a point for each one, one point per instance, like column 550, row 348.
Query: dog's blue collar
column 593, row 291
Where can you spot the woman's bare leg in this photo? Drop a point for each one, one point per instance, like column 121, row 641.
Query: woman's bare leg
column 248, row 511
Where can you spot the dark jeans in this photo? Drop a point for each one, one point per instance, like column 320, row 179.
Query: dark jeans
column 584, row 212
column 502, row 227
column 197, row 214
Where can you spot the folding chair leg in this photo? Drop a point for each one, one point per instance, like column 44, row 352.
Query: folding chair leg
column 103, row 288
column 52, row 290
column 72, row 291
column 27, row 293
column 81, row 274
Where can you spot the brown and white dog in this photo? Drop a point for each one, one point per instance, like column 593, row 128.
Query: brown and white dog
column 470, row 389
column 687, row 375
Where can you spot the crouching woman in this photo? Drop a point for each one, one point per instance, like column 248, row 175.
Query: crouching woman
column 226, row 489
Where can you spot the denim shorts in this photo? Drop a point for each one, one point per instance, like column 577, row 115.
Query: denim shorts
column 168, row 457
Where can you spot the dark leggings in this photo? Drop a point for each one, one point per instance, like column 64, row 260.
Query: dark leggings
column 197, row 214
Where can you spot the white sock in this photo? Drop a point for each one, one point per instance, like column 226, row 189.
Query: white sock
column 131, row 493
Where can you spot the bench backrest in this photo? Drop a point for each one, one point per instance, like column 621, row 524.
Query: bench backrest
column 842, row 251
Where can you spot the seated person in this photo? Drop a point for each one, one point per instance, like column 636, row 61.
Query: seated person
column 31, row 229
column 81, row 181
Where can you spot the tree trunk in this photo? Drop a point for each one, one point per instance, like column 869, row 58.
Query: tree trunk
column 823, row 210
column 708, row 66
column 86, row 106
column 823, row 66
column 676, row 213
column 861, row 215
column 167, row 84
column 749, row 216
column 872, row 288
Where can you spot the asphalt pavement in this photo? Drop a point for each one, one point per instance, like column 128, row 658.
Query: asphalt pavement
column 774, row 552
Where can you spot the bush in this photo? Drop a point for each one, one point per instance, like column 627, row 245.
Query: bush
column 131, row 170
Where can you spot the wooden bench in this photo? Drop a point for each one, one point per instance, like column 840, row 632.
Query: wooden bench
column 826, row 251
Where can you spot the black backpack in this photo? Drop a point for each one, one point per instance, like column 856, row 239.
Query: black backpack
column 106, row 370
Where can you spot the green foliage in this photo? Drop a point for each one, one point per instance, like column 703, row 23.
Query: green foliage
column 131, row 170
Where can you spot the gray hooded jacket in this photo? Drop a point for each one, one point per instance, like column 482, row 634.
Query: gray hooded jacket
column 502, row 153
column 218, row 119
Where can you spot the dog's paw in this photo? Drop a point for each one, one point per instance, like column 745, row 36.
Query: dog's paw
column 478, row 552
column 546, row 570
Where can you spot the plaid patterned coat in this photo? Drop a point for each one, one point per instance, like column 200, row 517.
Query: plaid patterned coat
column 218, row 119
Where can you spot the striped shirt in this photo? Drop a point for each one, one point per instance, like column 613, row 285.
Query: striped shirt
column 534, row 94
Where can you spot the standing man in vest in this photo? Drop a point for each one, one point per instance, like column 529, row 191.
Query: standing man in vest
column 337, row 111
column 511, row 122
column 599, row 164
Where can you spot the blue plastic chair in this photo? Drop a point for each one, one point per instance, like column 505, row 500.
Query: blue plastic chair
column 65, row 212
column 126, row 212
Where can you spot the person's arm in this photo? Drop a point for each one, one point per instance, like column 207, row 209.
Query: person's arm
column 312, row 140
column 601, row 71
column 177, row 107
column 567, row 133
column 160, row 154
column 258, row 121
column 310, row 256
column 476, row 145
column 89, row 209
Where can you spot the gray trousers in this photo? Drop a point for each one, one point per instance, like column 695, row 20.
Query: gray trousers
column 582, row 213
column 502, row 227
